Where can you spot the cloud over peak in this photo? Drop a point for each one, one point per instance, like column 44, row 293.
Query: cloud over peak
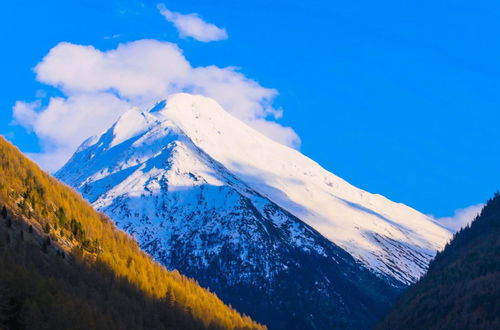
column 99, row 86
column 191, row 25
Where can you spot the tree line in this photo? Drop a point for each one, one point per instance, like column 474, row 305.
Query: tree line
column 70, row 255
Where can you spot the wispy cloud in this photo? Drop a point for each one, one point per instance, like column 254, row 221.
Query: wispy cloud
column 114, row 36
column 100, row 85
column 191, row 25
column 461, row 217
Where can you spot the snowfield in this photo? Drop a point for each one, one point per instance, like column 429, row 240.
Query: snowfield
column 207, row 161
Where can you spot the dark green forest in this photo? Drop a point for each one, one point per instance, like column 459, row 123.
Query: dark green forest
column 462, row 287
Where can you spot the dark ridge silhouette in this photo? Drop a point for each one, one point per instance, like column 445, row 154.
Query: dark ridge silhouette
column 461, row 290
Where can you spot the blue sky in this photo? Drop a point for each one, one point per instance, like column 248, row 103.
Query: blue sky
column 396, row 97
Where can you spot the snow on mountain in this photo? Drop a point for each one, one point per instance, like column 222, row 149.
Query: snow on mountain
column 265, row 227
column 227, row 230
column 389, row 238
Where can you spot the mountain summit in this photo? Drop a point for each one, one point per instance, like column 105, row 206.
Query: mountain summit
column 267, row 228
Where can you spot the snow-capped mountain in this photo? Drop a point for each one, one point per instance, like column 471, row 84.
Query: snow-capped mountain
column 250, row 218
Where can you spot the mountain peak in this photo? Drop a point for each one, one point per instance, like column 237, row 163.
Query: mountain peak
column 356, row 220
column 389, row 238
column 205, row 193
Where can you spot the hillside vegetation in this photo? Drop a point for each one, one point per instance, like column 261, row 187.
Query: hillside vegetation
column 63, row 265
column 462, row 288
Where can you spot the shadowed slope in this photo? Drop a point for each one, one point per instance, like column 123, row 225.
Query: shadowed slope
column 462, row 288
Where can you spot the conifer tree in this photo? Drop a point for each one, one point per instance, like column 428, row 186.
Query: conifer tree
column 46, row 228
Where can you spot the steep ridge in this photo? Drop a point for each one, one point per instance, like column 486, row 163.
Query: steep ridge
column 207, row 195
column 63, row 265
column 190, row 213
column 462, row 288
column 391, row 239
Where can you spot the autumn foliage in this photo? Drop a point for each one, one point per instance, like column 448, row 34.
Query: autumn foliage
column 72, row 228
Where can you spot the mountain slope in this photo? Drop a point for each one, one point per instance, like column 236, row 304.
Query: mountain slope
column 43, row 286
column 205, row 194
column 389, row 238
column 63, row 265
column 462, row 288
column 193, row 215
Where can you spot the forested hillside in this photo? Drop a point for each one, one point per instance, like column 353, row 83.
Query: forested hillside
column 462, row 287
column 63, row 265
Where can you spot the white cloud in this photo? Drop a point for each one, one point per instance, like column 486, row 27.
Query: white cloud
column 191, row 25
column 461, row 217
column 65, row 123
column 24, row 113
column 144, row 68
column 100, row 85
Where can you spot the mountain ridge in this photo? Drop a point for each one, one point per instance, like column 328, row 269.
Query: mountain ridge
column 376, row 225
column 186, row 179
column 48, row 230
column 232, row 239
column 462, row 287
